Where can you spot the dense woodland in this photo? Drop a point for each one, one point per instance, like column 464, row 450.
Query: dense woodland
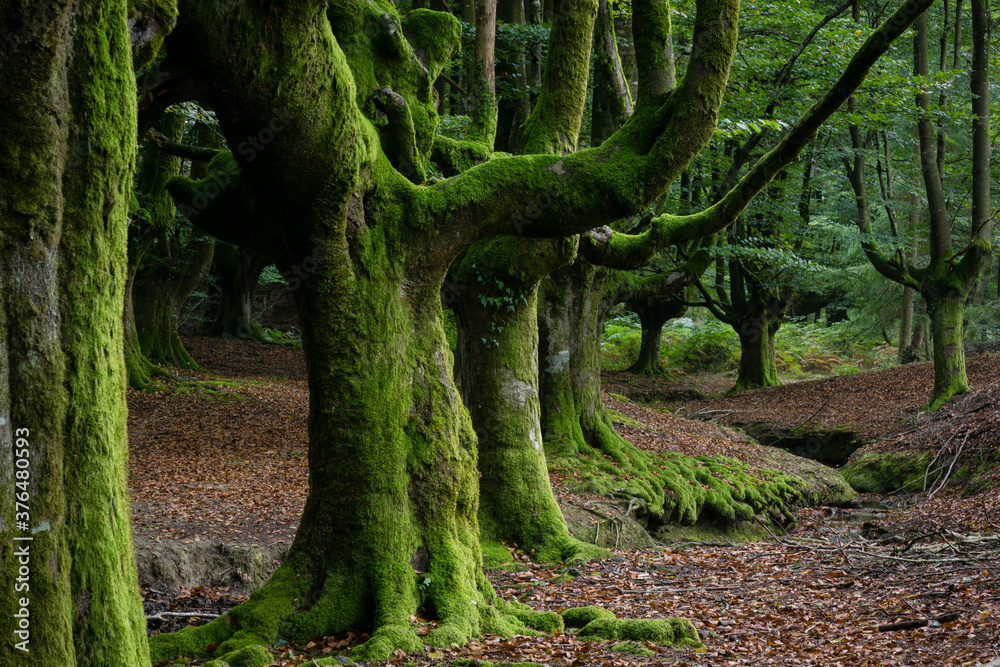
column 448, row 248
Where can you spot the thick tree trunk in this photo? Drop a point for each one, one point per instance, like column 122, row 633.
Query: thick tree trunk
column 166, row 264
column 238, row 270
column 757, row 365
column 68, row 109
column 653, row 314
column 385, row 422
column 157, row 301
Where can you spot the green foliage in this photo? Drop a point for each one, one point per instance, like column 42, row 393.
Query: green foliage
column 982, row 322
column 515, row 42
column 688, row 345
column 702, row 344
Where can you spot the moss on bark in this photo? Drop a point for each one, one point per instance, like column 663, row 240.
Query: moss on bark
column 373, row 249
column 65, row 173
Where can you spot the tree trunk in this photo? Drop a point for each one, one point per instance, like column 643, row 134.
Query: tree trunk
column 571, row 316
column 653, row 314
column 238, row 270
column 386, row 422
column 946, row 310
column 168, row 262
column 612, row 104
column 499, row 337
column 66, row 162
column 905, row 351
column 757, row 366
column 158, row 299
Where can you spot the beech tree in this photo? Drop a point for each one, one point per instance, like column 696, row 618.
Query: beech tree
column 328, row 110
column 66, row 159
column 948, row 278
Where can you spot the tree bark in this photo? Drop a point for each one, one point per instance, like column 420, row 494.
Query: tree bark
column 66, row 163
column 496, row 316
column 169, row 261
column 573, row 305
column 653, row 314
column 178, row 266
column 757, row 365
column 238, row 270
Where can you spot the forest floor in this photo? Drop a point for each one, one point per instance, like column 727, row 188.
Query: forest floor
column 816, row 596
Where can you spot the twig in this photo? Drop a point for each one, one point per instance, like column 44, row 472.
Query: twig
column 909, row 625
column 181, row 614
column 944, row 480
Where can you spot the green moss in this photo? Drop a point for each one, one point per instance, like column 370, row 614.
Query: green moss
column 884, row 472
column 633, row 648
column 676, row 631
column 578, row 617
column 688, row 490
column 388, row 638
column 251, row 656
column 496, row 555
column 545, row 621
column 620, row 418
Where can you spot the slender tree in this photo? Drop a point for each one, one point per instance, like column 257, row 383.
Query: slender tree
column 946, row 281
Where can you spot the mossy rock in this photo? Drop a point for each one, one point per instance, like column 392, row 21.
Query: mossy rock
column 667, row 631
column 249, row 656
column 885, row 472
column 634, row 648
column 578, row 617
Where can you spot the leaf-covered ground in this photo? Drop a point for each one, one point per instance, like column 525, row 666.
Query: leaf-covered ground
column 220, row 457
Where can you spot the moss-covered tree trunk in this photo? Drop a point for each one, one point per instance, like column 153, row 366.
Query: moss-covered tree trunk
column 169, row 258
column 948, row 340
column 237, row 270
column 498, row 328
column 653, row 314
column 757, row 364
column 138, row 369
column 336, row 153
column 571, row 314
column 70, row 595
column 177, row 266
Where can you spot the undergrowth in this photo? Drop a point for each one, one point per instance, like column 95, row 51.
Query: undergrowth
column 703, row 344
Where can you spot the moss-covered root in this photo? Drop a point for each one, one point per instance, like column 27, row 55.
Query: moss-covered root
column 251, row 656
column 579, row 617
column 543, row 621
column 664, row 631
